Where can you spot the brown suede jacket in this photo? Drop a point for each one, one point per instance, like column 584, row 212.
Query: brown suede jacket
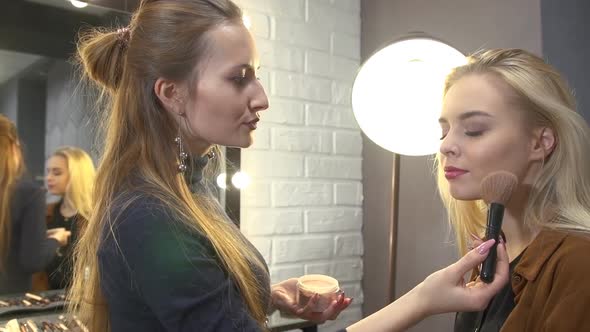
column 551, row 284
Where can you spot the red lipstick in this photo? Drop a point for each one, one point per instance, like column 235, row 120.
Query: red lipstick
column 453, row 172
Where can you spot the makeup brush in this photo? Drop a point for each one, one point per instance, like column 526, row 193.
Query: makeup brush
column 496, row 189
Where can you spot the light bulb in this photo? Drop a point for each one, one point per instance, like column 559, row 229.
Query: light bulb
column 240, row 180
column 221, row 180
column 78, row 4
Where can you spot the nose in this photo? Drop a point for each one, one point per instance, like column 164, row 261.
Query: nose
column 259, row 101
column 448, row 147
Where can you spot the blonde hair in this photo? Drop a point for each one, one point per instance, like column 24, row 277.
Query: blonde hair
column 81, row 179
column 11, row 169
column 164, row 39
column 560, row 194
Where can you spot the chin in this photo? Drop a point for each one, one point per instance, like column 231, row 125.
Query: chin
column 464, row 195
column 246, row 142
column 241, row 145
column 235, row 142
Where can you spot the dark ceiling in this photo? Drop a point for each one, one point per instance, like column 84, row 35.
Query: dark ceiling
column 49, row 27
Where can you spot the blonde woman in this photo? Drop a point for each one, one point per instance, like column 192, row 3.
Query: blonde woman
column 24, row 245
column 70, row 175
column 509, row 110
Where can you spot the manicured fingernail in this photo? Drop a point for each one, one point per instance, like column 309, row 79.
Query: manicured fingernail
column 485, row 247
column 501, row 239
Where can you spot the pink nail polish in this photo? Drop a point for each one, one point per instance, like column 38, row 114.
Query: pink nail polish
column 485, row 247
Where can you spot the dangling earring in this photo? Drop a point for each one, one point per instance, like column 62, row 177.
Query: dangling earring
column 182, row 156
column 211, row 154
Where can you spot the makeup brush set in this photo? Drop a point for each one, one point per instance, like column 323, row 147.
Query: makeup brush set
column 52, row 323
column 30, row 303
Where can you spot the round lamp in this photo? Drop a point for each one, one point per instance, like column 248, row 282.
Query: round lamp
column 397, row 94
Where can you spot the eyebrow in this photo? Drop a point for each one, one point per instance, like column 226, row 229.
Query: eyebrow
column 467, row 115
column 246, row 66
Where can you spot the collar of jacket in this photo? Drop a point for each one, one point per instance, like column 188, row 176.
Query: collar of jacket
column 539, row 252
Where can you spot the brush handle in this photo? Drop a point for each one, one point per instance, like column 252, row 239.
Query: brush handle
column 493, row 230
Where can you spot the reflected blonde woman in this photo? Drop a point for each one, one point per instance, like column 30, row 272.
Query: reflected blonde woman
column 70, row 175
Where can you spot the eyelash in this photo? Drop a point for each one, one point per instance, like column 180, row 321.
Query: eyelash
column 246, row 77
column 474, row 133
column 467, row 133
column 240, row 80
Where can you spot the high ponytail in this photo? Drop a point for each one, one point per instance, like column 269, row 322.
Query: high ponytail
column 101, row 53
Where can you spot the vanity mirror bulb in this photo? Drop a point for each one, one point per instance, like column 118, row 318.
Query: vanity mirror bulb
column 239, row 180
column 78, row 4
column 221, row 181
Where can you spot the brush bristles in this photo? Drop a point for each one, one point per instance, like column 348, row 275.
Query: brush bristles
column 497, row 187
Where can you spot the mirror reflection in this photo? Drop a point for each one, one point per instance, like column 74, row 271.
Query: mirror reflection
column 48, row 150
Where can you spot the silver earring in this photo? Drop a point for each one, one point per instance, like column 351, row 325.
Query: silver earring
column 211, row 154
column 182, row 156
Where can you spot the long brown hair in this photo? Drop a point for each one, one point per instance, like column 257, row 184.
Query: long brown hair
column 164, row 39
column 11, row 168
column 560, row 194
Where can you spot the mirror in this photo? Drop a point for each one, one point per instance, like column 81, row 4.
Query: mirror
column 38, row 93
column 41, row 94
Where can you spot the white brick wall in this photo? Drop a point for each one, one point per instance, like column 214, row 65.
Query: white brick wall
column 303, row 209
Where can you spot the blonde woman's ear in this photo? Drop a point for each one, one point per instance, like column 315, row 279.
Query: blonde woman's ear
column 543, row 143
column 548, row 140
